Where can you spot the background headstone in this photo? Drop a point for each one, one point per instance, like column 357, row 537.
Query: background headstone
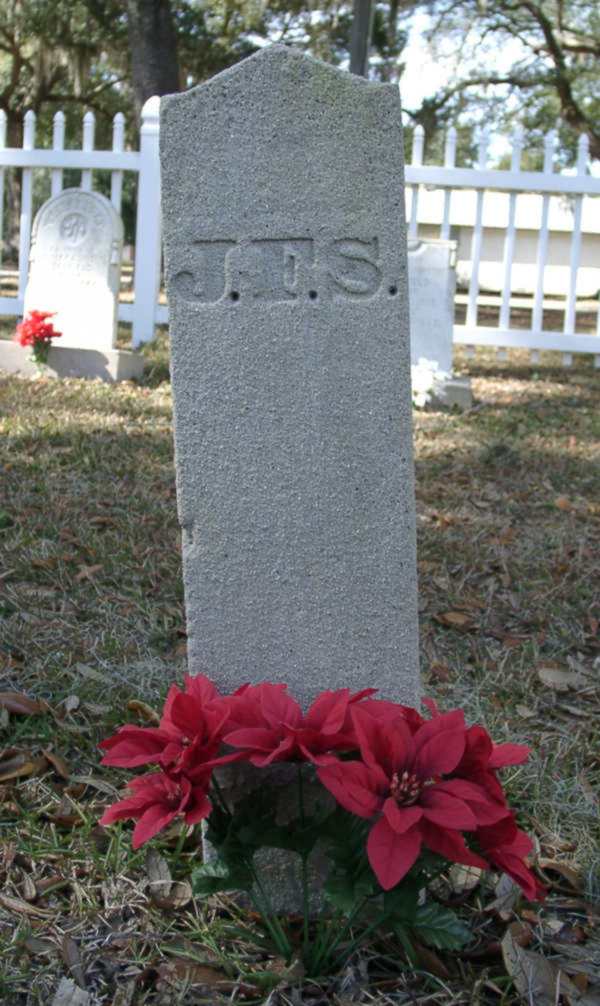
column 75, row 267
column 283, row 209
column 432, row 286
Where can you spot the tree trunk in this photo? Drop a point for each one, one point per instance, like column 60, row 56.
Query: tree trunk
column 360, row 38
column 153, row 49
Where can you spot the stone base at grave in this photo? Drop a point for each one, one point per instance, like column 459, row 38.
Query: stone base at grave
column 109, row 364
column 455, row 391
column 280, row 869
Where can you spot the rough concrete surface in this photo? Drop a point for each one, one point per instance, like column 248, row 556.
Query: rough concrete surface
column 109, row 364
column 283, row 209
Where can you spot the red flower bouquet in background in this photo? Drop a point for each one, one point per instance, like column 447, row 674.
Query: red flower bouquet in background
column 413, row 795
column 36, row 331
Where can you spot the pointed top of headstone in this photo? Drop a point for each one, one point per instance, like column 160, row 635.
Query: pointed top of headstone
column 275, row 59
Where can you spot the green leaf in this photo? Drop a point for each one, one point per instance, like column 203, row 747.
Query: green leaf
column 212, row 878
column 439, row 927
column 401, row 903
column 346, row 892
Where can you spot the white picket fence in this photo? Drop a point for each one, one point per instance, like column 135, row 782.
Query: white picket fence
column 145, row 311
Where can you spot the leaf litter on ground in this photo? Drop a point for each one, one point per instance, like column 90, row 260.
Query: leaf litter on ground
column 93, row 632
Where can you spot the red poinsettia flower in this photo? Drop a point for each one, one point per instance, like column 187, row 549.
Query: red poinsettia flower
column 398, row 782
column 482, row 758
column 268, row 724
column 188, row 738
column 35, row 327
column 156, row 800
column 507, row 848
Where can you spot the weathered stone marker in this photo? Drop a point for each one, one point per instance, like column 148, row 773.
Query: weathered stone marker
column 432, row 285
column 75, row 267
column 285, row 244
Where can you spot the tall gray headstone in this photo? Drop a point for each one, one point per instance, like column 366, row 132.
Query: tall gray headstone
column 75, row 267
column 283, row 203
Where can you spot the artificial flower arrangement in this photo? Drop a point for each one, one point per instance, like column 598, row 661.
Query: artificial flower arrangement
column 36, row 331
column 409, row 795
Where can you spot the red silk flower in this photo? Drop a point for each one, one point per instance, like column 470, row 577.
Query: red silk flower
column 268, row 724
column 507, row 848
column 398, row 783
column 35, row 327
column 156, row 800
column 188, row 738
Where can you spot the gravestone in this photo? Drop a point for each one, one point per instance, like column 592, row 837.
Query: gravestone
column 282, row 188
column 432, row 285
column 75, row 267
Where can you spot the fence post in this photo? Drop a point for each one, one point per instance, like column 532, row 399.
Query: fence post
column 147, row 231
column 26, row 198
column 2, row 145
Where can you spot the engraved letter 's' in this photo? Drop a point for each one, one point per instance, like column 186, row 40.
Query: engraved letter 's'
column 354, row 270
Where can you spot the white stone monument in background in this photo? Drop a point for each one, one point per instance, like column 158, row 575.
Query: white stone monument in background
column 74, row 271
column 432, row 284
column 75, row 267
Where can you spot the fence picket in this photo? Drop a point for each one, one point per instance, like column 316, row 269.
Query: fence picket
column 477, row 241
column 148, row 230
column 58, row 143
column 509, row 242
column 2, row 145
column 416, row 161
column 26, row 194
column 571, row 308
column 449, row 162
column 542, row 251
column 116, row 177
column 89, row 128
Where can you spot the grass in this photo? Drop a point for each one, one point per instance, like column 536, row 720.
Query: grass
column 92, row 616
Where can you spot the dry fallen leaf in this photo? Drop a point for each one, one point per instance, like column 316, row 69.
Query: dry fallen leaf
column 68, row 994
column 72, row 958
column 568, row 871
column 58, row 763
column 557, row 679
column 536, row 979
column 144, row 711
column 562, row 503
column 455, row 620
column 525, row 712
column 87, row 572
column 21, row 765
column 463, row 879
column 180, row 969
column 20, row 704
column 23, row 907
column 159, row 875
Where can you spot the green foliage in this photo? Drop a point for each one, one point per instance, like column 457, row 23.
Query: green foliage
column 218, row 877
column 439, row 927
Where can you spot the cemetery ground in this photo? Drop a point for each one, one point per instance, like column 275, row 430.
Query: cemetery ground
column 91, row 609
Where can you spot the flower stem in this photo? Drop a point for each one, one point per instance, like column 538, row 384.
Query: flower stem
column 304, row 866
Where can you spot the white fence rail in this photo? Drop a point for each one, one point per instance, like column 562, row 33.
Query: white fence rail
column 145, row 311
column 448, row 186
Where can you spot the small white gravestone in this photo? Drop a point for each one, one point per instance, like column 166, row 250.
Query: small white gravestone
column 75, row 267
column 432, row 284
